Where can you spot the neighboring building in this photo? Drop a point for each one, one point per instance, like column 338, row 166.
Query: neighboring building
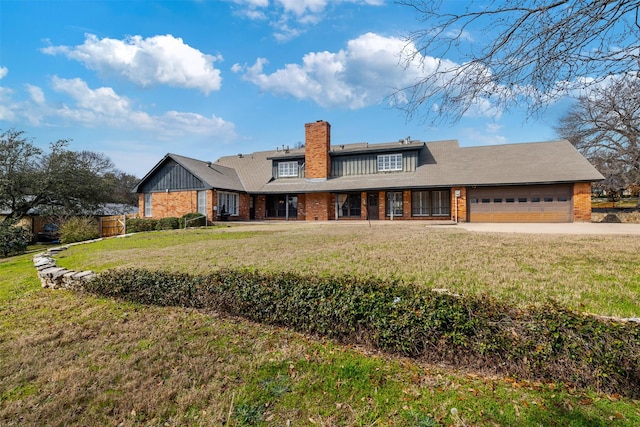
column 404, row 180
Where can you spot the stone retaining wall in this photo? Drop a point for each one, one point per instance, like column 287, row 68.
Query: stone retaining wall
column 53, row 277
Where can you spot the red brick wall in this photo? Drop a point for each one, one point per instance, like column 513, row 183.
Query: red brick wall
column 462, row 204
column 173, row 203
column 259, row 206
column 178, row 203
column 317, row 146
column 319, row 207
column 243, row 207
column 582, row 201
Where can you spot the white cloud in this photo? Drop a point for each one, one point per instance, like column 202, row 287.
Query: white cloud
column 104, row 107
column 7, row 109
column 363, row 74
column 147, row 61
column 488, row 136
column 36, row 94
column 289, row 18
column 3, row 72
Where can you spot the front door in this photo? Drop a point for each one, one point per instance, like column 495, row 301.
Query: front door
column 372, row 206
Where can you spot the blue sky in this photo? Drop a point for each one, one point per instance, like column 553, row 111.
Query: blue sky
column 138, row 79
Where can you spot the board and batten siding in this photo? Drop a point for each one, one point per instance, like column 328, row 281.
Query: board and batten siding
column 367, row 164
column 172, row 176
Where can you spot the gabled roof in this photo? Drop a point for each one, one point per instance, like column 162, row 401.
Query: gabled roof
column 212, row 175
column 440, row 164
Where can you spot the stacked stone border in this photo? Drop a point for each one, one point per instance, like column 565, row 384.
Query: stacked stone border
column 53, row 277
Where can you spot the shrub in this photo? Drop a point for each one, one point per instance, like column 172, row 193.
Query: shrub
column 136, row 225
column 13, row 238
column 169, row 223
column 544, row 343
column 193, row 219
column 79, row 229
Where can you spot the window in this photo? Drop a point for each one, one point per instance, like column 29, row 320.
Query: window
column 282, row 206
column 562, row 199
column 227, row 203
column 535, row 200
column 394, row 203
column 287, row 169
column 497, row 200
column 440, row 203
column 147, row 204
column 473, row 200
column 510, row 200
column 349, row 205
column 420, row 203
column 432, row 203
column 486, row 200
column 522, row 200
column 389, row 162
column 548, row 199
column 202, row 202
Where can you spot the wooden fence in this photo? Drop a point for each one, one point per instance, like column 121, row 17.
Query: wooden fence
column 114, row 225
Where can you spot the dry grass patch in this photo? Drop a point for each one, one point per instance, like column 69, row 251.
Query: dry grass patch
column 597, row 274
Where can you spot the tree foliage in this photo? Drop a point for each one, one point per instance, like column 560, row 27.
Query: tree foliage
column 513, row 53
column 13, row 238
column 604, row 124
column 60, row 182
column 122, row 183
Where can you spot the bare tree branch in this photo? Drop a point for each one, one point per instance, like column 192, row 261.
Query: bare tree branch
column 604, row 125
column 516, row 53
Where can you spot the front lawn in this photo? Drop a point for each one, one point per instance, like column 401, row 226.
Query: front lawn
column 73, row 359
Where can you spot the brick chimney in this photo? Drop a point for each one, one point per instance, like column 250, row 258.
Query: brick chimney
column 317, row 146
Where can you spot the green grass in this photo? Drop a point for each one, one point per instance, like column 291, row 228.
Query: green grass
column 73, row 359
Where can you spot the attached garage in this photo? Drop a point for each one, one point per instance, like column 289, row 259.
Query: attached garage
column 535, row 203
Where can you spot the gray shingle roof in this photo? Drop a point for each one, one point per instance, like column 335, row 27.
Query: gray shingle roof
column 212, row 175
column 441, row 164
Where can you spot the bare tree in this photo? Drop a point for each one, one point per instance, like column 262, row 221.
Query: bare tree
column 515, row 53
column 604, row 124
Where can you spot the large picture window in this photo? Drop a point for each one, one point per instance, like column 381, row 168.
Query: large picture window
column 420, row 203
column 394, row 203
column 227, row 203
column 440, row 203
column 147, row 205
column 349, row 205
column 431, row 203
column 287, row 169
column 389, row 162
column 282, row 206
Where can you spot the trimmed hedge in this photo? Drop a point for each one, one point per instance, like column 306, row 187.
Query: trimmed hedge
column 542, row 343
column 136, row 225
column 168, row 223
column 193, row 219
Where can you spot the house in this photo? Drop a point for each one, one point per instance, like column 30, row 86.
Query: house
column 403, row 180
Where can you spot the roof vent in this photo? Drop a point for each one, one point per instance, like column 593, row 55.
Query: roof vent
column 208, row 164
column 239, row 155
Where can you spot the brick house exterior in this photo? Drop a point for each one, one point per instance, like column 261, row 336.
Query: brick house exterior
column 404, row 180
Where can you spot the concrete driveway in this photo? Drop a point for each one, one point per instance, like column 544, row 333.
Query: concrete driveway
column 563, row 228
